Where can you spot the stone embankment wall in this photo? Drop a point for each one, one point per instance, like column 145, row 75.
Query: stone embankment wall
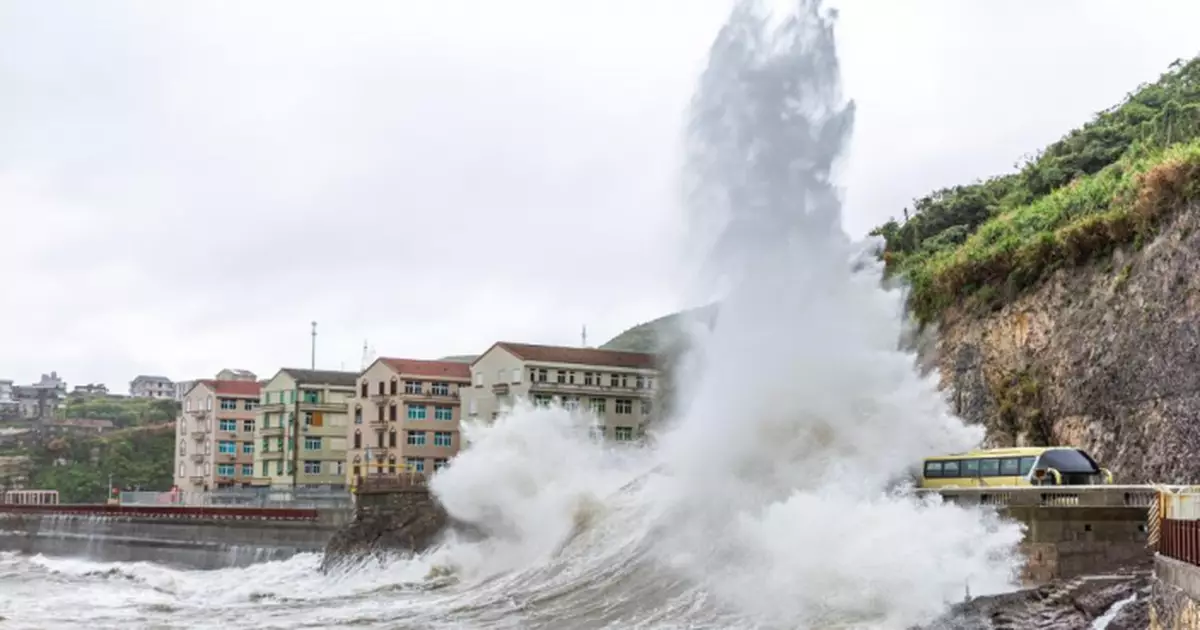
column 1175, row 596
column 185, row 542
column 1105, row 357
column 390, row 521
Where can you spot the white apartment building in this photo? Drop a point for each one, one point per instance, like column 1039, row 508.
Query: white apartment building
column 618, row 387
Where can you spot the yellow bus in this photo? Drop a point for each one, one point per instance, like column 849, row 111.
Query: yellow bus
column 1029, row 466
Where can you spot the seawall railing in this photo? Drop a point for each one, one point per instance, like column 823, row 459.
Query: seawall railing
column 265, row 498
column 1054, row 496
column 172, row 512
column 1178, row 524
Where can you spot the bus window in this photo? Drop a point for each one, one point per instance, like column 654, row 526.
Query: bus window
column 1027, row 465
column 970, row 468
column 933, row 469
column 1010, row 467
column 949, row 469
column 989, row 468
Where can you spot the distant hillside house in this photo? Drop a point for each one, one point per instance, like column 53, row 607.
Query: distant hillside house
column 91, row 389
column 152, row 387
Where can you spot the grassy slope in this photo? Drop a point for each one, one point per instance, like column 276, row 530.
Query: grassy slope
column 1103, row 185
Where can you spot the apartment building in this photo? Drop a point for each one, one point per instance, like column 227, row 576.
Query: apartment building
column 215, row 435
column 406, row 416
column 144, row 386
column 618, row 387
column 302, row 428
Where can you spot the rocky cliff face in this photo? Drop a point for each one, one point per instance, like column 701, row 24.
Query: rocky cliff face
column 1105, row 357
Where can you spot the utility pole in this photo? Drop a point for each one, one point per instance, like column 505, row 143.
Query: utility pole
column 314, row 346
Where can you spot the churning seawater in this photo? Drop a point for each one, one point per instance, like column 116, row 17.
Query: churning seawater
column 771, row 499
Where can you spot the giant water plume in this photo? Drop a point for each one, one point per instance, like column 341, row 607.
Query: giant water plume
column 773, row 486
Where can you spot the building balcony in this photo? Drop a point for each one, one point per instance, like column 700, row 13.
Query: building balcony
column 226, row 458
column 430, row 396
column 199, row 434
column 271, row 432
column 197, row 479
column 270, row 455
column 198, row 413
column 580, row 388
column 272, row 408
column 197, row 457
column 379, row 453
column 500, row 389
column 323, row 407
column 376, row 424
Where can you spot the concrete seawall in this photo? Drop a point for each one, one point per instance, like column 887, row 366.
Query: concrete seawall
column 186, row 540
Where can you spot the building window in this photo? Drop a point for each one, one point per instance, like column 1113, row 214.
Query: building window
column 440, row 389
column 590, row 379
column 247, row 470
column 379, row 439
column 365, row 387
column 250, row 405
column 312, row 468
column 339, row 468
column 308, row 418
column 381, row 386
column 182, row 472
column 248, row 426
column 443, row 413
column 647, row 407
column 415, row 464
column 473, row 408
column 541, row 375
column 311, row 396
column 392, row 386
column 560, row 376
column 597, row 432
column 624, row 406
column 443, row 438
column 228, row 403
column 312, row 443
column 479, row 379
column 392, row 413
column 516, row 375
column 357, row 470
column 279, row 467
column 640, row 383
column 392, row 465
column 224, row 470
column 183, row 447
column 358, row 415
column 228, row 448
column 416, row 438
column 229, row 426
column 571, row 377
column 413, row 387
column 541, row 400
column 623, row 434
column 247, row 448
column 416, row 412
column 570, row 402
column 392, row 438
column 649, row 382
column 598, row 405
column 357, row 438
column 440, row 463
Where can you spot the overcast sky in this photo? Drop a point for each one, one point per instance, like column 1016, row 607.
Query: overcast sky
column 184, row 186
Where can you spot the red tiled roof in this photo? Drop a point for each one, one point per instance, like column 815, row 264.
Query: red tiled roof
column 579, row 356
column 234, row 388
column 419, row 367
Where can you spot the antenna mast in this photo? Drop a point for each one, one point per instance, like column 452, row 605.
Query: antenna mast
column 313, row 359
column 585, row 336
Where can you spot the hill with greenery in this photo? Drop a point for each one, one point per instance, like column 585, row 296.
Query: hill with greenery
column 658, row 334
column 79, row 467
column 1104, row 185
column 123, row 412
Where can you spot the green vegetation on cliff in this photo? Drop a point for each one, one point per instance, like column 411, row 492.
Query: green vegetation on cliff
column 79, row 467
column 123, row 412
column 1104, row 185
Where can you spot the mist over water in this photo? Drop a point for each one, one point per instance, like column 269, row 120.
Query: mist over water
column 769, row 501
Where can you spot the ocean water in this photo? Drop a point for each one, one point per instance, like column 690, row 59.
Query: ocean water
column 773, row 499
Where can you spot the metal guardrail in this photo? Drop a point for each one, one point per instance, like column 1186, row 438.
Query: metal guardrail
column 1055, row 496
column 272, row 499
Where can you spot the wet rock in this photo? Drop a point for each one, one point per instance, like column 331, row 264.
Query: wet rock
column 1059, row 605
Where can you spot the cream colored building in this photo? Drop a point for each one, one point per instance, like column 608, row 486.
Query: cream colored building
column 302, row 426
column 215, row 435
column 405, row 416
column 618, row 387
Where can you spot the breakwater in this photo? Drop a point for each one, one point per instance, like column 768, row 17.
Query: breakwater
column 180, row 536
